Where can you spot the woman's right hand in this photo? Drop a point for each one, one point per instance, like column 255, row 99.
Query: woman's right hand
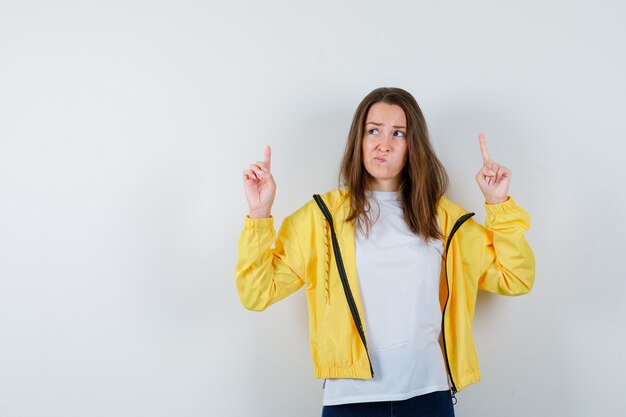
column 260, row 187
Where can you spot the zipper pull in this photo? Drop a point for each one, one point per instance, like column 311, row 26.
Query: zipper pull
column 454, row 400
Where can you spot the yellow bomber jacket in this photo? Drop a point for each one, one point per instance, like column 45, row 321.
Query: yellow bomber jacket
column 495, row 258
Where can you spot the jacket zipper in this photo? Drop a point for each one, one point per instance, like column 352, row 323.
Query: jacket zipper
column 344, row 277
column 456, row 227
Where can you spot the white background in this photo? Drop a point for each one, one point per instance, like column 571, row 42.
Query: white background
column 124, row 128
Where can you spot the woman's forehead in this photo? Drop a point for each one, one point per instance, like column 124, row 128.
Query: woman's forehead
column 388, row 114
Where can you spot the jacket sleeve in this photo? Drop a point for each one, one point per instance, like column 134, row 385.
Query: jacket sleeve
column 507, row 261
column 265, row 275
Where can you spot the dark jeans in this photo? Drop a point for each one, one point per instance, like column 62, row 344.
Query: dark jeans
column 434, row 404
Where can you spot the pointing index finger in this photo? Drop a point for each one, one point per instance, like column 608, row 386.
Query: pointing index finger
column 268, row 157
column 483, row 146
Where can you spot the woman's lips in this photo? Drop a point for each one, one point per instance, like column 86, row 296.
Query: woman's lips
column 379, row 159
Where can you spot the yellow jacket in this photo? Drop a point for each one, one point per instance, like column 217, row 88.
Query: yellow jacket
column 494, row 258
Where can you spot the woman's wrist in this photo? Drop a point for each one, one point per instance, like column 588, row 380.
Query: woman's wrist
column 263, row 214
column 496, row 201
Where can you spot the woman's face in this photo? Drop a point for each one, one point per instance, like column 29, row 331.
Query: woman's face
column 384, row 145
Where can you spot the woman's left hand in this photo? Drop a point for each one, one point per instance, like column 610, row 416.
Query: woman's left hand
column 493, row 178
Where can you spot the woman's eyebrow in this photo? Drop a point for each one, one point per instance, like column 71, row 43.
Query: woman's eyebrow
column 380, row 124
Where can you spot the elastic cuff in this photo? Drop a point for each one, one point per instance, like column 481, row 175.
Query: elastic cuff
column 258, row 224
column 504, row 207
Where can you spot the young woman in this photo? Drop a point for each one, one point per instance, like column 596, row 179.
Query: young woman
column 391, row 267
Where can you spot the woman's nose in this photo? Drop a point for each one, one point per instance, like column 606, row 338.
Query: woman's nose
column 385, row 143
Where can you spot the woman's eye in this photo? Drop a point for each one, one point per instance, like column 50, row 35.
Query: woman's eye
column 398, row 133
column 373, row 131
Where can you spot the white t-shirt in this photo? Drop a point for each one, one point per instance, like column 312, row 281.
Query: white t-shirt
column 398, row 274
